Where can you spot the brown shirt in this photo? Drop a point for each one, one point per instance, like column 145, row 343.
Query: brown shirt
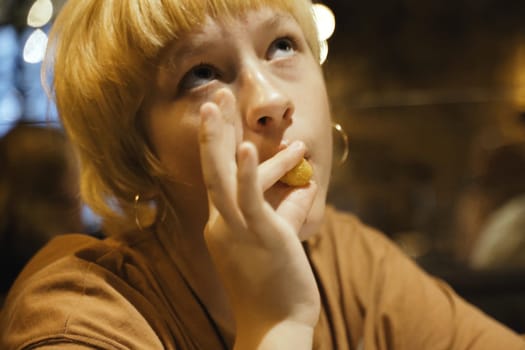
column 125, row 293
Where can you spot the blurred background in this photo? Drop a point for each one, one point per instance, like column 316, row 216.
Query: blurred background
column 432, row 96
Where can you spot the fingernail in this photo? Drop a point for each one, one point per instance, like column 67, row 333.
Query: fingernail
column 206, row 112
column 247, row 152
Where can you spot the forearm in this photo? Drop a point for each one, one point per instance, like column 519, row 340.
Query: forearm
column 283, row 335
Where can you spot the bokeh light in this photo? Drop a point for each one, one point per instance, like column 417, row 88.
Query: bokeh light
column 323, row 46
column 325, row 20
column 40, row 13
column 35, row 47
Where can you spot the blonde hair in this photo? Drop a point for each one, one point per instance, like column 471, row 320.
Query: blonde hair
column 102, row 55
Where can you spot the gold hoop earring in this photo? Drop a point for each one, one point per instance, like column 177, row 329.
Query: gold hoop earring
column 344, row 137
column 151, row 215
column 136, row 209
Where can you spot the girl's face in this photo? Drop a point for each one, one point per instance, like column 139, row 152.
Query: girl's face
column 264, row 60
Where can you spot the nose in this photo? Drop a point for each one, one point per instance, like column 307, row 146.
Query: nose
column 264, row 103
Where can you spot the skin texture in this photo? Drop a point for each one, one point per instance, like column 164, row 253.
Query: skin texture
column 245, row 103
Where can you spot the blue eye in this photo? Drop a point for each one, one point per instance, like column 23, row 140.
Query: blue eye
column 282, row 47
column 198, row 76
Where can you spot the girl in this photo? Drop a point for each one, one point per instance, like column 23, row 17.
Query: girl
column 185, row 115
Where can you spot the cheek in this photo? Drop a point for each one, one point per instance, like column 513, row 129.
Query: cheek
column 173, row 135
column 312, row 105
column 180, row 155
column 312, row 101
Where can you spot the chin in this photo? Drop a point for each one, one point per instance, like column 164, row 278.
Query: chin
column 314, row 219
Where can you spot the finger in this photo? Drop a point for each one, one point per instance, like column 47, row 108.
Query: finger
column 258, row 216
column 250, row 196
column 217, row 152
column 226, row 101
column 271, row 170
column 215, row 158
column 297, row 205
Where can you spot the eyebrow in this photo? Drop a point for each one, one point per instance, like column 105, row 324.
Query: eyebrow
column 193, row 46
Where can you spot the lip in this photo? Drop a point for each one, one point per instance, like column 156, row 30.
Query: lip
column 307, row 154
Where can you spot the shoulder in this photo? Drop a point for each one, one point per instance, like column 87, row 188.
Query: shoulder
column 76, row 289
column 74, row 256
column 374, row 292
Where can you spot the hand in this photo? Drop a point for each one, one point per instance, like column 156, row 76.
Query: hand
column 254, row 244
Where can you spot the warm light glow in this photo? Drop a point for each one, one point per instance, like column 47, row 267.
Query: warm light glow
column 35, row 47
column 40, row 13
column 325, row 20
column 323, row 46
column 519, row 76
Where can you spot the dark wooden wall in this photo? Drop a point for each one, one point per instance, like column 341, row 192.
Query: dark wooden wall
column 426, row 90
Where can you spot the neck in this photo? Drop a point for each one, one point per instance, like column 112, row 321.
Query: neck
column 188, row 251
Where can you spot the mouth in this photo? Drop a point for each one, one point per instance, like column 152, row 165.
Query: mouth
column 267, row 154
column 300, row 175
column 286, row 143
column 307, row 154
